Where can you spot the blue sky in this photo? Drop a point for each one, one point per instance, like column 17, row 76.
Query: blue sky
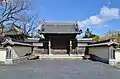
column 81, row 10
column 95, row 14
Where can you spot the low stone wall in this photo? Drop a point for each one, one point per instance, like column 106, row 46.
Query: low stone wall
column 41, row 51
column 59, row 51
column 80, row 51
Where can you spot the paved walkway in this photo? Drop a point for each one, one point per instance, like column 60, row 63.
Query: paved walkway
column 59, row 69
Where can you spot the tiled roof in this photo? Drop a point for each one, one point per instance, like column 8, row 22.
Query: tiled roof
column 103, row 43
column 59, row 27
column 32, row 40
column 9, row 41
column 14, row 30
column 85, row 40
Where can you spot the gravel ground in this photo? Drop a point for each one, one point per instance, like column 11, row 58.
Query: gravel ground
column 59, row 69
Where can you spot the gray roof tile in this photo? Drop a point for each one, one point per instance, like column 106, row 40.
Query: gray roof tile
column 59, row 27
column 14, row 30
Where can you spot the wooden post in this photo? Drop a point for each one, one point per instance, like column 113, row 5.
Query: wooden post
column 70, row 47
column 110, row 52
column 49, row 47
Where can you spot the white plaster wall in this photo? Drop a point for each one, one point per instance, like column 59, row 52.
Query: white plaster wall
column 82, row 44
column 100, row 51
column 22, row 50
column 37, row 44
column 2, row 55
column 117, row 55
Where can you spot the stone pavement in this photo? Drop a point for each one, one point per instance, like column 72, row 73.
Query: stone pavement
column 59, row 69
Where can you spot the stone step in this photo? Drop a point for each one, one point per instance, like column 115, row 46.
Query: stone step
column 60, row 56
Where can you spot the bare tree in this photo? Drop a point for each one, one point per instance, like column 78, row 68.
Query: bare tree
column 11, row 9
column 28, row 23
column 111, row 33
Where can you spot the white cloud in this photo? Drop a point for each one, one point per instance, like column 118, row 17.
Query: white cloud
column 109, row 13
column 95, row 20
column 106, row 14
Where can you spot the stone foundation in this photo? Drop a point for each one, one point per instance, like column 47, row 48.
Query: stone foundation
column 112, row 61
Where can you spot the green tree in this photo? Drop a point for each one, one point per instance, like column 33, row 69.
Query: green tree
column 96, row 38
column 88, row 34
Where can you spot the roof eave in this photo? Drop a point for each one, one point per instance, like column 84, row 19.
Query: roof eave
column 60, row 33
